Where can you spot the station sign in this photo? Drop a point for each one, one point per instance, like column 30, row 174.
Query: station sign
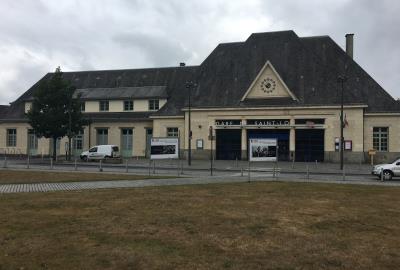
column 268, row 122
column 164, row 148
column 263, row 149
column 228, row 122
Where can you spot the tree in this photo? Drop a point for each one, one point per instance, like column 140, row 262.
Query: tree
column 55, row 111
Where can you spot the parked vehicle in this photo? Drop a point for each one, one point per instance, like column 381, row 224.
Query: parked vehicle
column 101, row 152
column 389, row 170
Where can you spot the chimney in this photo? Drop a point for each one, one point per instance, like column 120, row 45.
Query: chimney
column 182, row 64
column 349, row 45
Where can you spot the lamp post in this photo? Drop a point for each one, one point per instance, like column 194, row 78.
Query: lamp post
column 189, row 86
column 341, row 79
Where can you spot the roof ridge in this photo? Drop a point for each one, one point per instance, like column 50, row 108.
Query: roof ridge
column 129, row 69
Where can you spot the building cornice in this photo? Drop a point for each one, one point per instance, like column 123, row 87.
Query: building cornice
column 167, row 116
column 276, row 108
column 382, row 114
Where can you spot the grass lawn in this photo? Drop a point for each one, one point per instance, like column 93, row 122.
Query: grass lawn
column 30, row 176
column 228, row 226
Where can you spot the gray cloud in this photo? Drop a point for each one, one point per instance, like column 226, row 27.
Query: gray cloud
column 37, row 36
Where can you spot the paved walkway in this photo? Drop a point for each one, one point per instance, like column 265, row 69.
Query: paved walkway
column 74, row 186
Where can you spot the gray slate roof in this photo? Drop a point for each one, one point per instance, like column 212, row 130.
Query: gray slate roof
column 308, row 65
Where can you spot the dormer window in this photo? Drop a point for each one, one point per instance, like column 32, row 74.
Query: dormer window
column 103, row 105
column 154, row 105
column 128, row 105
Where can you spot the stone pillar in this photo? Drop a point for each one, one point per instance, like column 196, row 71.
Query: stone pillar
column 244, row 144
column 292, row 140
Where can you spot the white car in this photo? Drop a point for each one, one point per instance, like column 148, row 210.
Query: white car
column 101, row 152
column 389, row 170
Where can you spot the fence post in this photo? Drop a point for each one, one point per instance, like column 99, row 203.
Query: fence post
column 27, row 162
column 149, row 166
column 181, row 167
column 126, row 166
column 273, row 171
column 154, row 167
column 248, row 179
column 100, row 165
column 241, row 171
column 382, row 177
column 51, row 163
column 344, row 174
column 75, row 165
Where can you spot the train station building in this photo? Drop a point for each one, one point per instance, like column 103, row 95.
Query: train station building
column 273, row 85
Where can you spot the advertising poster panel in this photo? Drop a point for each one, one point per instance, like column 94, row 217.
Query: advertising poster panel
column 164, row 148
column 263, row 149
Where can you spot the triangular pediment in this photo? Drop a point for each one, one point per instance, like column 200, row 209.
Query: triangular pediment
column 268, row 84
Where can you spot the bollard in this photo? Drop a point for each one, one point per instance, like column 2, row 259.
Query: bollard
column 293, row 163
column 154, row 167
column 177, row 167
column 236, row 162
column 27, row 162
column 382, row 177
column 126, row 166
column 51, row 163
column 344, row 174
column 5, row 162
column 241, row 171
column 308, row 172
column 100, row 165
column 75, row 165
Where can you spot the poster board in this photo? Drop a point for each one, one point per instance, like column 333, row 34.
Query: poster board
column 263, row 149
column 164, row 148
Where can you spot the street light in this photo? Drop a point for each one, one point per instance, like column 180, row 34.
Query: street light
column 189, row 86
column 341, row 79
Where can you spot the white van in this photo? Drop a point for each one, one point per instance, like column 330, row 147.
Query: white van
column 101, row 152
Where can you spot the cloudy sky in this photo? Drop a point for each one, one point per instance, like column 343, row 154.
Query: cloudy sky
column 37, row 36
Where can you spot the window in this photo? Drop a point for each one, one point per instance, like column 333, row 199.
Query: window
column 172, row 132
column 103, row 106
column 154, row 105
column 128, row 105
column 82, row 106
column 102, row 136
column 11, row 137
column 380, row 138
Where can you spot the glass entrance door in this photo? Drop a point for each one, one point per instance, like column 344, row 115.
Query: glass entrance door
column 126, row 142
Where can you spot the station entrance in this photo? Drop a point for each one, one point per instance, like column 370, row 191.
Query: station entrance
column 310, row 145
column 228, row 144
column 282, row 135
